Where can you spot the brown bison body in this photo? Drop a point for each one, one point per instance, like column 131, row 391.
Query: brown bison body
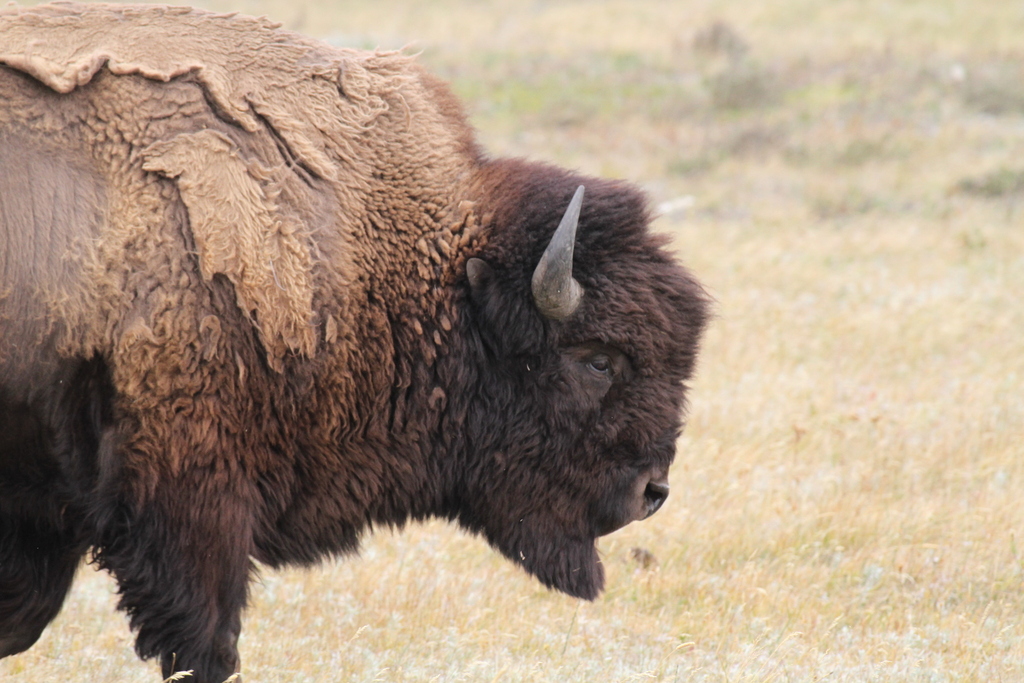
column 258, row 294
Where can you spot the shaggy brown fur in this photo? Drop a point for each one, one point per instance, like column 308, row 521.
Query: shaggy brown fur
column 235, row 324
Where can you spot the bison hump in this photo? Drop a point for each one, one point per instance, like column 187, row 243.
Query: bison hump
column 253, row 71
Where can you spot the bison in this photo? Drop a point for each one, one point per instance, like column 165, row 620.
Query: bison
column 259, row 295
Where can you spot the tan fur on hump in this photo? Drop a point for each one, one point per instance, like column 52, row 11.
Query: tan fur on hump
column 239, row 232
column 246, row 68
column 325, row 104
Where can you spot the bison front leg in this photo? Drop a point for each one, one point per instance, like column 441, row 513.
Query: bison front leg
column 37, row 566
column 182, row 564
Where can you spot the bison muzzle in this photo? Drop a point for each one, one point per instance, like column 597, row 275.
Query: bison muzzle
column 259, row 294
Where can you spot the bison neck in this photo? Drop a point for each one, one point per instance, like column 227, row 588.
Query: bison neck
column 363, row 436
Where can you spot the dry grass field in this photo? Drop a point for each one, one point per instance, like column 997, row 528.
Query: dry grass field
column 847, row 178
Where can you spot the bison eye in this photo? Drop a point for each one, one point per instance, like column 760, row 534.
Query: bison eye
column 601, row 364
column 598, row 366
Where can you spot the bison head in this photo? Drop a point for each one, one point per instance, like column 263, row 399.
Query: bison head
column 584, row 336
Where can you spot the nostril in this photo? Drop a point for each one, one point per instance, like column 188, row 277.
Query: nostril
column 654, row 495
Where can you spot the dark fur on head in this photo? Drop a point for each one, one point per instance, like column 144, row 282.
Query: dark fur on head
column 544, row 456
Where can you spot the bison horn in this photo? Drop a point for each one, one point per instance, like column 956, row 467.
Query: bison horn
column 555, row 291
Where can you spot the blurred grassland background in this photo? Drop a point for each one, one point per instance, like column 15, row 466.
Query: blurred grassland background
column 847, row 178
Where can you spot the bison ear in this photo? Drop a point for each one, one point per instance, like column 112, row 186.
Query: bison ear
column 479, row 273
column 242, row 232
column 485, row 301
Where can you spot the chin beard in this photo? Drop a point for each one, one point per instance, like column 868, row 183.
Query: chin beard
column 567, row 564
